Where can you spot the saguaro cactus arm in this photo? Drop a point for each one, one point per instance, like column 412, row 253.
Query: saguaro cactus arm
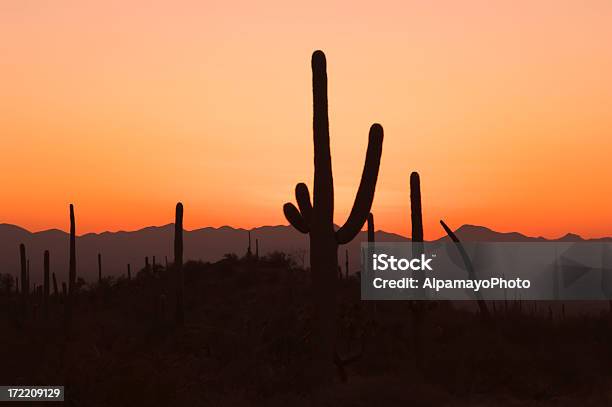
column 367, row 186
column 292, row 214
column 302, row 197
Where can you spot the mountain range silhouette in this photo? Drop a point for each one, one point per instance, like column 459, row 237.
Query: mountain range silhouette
column 206, row 244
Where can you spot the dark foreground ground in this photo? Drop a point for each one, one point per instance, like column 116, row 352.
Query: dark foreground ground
column 246, row 342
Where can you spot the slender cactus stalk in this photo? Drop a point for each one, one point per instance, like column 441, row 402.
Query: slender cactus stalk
column 71, row 274
column 371, row 236
column 28, row 286
column 24, row 278
column 46, row 284
column 482, row 305
column 178, row 263
column 99, row 268
column 316, row 219
column 129, row 272
column 416, row 218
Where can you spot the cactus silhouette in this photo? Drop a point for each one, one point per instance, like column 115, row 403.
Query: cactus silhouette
column 416, row 218
column 257, row 249
column 249, row 253
column 24, row 278
column 482, row 305
column 153, row 265
column 27, row 281
column 46, row 283
column 418, row 308
column 178, row 263
column 55, row 292
column 71, row 272
column 147, row 264
column 129, row 272
column 99, row 268
column 316, row 219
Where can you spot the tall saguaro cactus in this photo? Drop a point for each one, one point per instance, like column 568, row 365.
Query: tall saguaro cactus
column 316, row 219
column 178, row 263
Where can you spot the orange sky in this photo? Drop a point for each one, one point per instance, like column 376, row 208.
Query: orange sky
column 125, row 107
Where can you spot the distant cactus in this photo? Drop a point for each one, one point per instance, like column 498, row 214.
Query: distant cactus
column 24, row 279
column 69, row 300
column 257, row 249
column 249, row 253
column 482, row 305
column 418, row 308
column 99, row 268
column 153, row 264
column 28, row 286
column 72, row 266
column 46, row 284
column 317, row 219
column 147, row 267
column 55, row 292
column 416, row 218
column 178, row 263
column 64, row 290
column 129, row 272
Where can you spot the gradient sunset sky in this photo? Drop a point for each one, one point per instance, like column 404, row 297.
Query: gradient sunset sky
column 126, row 107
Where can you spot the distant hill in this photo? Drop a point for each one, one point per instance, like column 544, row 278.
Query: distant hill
column 207, row 244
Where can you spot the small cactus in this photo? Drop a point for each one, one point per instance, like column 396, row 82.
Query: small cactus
column 249, row 253
column 99, row 268
column 129, row 272
column 55, row 292
column 24, row 279
column 72, row 273
column 178, row 263
column 46, row 284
